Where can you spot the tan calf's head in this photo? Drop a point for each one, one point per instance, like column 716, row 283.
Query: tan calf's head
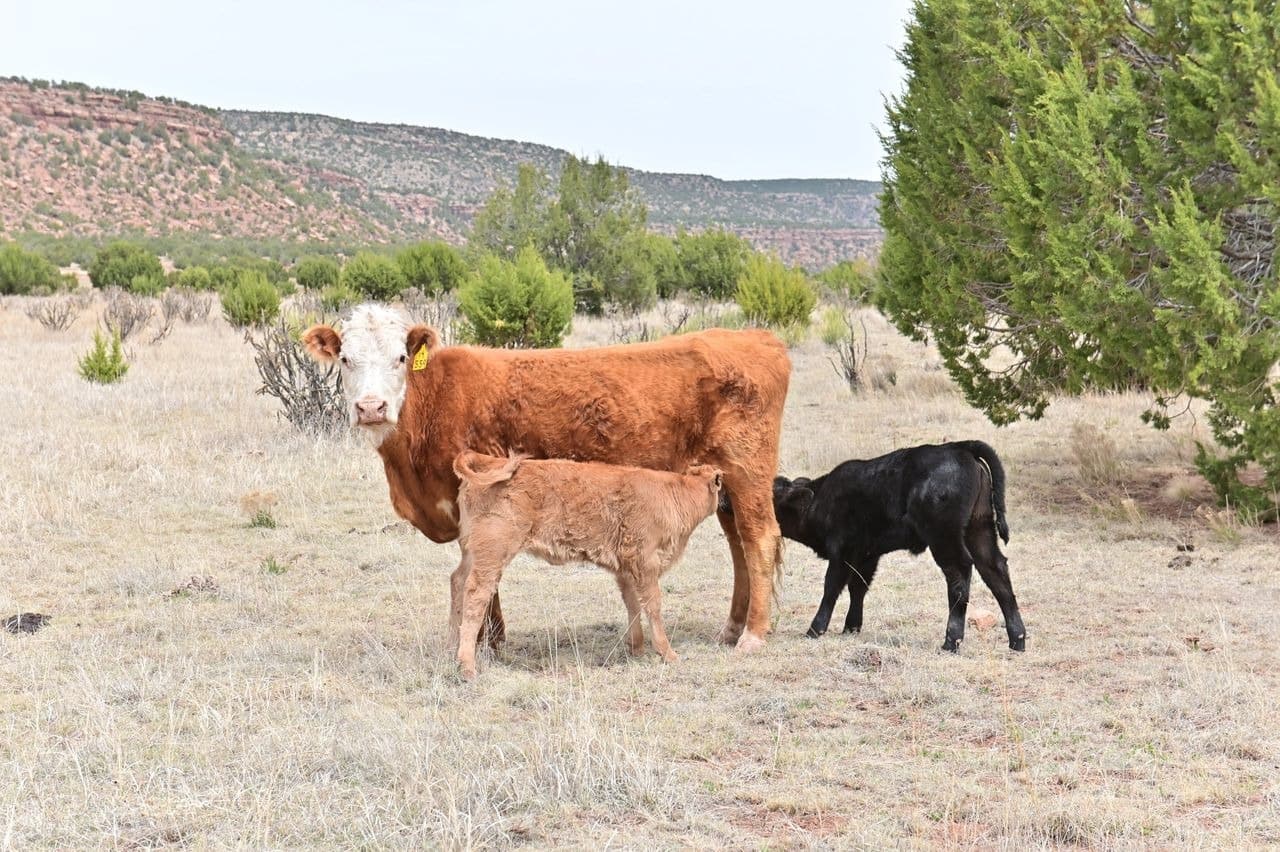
column 375, row 352
column 712, row 479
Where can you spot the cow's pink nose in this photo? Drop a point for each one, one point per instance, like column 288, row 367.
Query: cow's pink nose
column 371, row 410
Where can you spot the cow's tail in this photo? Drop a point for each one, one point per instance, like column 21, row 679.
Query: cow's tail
column 987, row 457
column 465, row 467
column 777, row 574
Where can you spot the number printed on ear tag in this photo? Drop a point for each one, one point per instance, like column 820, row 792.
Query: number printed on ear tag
column 420, row 360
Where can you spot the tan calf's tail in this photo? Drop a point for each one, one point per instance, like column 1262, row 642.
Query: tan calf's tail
column 477, row 469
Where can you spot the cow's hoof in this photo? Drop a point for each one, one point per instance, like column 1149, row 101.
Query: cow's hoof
column 1019, row 644
column 730, row 633
column 814, row 634
column 468, row 673
column 671, row 657
column 748, row 643
column 952, row 645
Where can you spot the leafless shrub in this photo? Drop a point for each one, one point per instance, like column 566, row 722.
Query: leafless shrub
column 310, row 393
column 126, row 313
column 850, row 359
column 440, row 312
column 55, row 314
column 185, row 304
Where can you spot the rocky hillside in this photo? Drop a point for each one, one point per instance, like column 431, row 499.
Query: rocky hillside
column 84, row 162
column 80, row 161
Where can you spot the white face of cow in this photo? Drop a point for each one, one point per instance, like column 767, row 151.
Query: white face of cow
column 373, row 357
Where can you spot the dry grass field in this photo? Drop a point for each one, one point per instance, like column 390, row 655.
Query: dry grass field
column 207, row 683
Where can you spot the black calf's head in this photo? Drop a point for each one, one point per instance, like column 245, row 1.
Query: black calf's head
column 791, row 499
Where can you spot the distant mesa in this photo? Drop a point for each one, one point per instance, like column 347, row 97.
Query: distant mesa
column 81, row 161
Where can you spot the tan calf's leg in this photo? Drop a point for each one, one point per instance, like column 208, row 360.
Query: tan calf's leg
column 457, row 585
column 635, row 633
column 652, row 597
column 741, row 587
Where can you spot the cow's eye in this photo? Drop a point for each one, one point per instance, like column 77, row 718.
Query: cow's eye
column 403, row 358
column 345, row 361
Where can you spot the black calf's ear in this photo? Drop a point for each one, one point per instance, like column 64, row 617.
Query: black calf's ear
column 796, row 498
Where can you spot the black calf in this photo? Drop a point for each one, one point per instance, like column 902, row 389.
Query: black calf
column 946, row 497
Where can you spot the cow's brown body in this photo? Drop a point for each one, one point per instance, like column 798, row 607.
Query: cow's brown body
column 633, row 522
column 714, row 397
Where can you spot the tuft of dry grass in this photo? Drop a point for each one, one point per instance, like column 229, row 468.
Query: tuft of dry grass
column 316, row 706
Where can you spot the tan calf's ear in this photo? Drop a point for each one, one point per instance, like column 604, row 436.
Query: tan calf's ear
column 419, row 336
column 322, row 343
column 717, row 481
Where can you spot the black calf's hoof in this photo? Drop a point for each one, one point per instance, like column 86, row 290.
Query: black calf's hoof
column 814, row 634
column 1019, row 644
column 848, row 629
column 952, row 645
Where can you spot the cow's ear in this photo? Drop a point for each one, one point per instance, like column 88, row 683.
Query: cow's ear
column 419, row 336
column 322, row 343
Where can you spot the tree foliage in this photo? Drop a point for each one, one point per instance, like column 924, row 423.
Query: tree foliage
column 22, row 272
column 1095, row 187
column 118, row 264
column 771, row 294
column 375, row 275
column 592, row 228
column 513, row 217
column 432, row 267
column 251, row 301
column 316, row 273
column 518, row 303
column 711, row 262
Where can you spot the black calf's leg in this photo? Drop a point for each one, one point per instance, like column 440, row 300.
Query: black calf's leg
column 859, row 581
column 837, row 578
column 957, row 567
column 994, row 570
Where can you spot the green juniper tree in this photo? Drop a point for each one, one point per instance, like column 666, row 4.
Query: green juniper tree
column 1095, row 187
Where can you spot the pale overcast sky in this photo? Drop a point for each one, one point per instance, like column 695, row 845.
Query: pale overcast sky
column 733, row 89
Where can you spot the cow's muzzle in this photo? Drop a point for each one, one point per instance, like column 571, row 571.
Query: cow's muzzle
column 371, row 411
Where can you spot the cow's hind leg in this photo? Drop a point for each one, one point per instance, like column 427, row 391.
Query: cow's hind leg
column 732, row 629
column 957, row 567
column 994, row 570
column 760, row 541
column 630, row 597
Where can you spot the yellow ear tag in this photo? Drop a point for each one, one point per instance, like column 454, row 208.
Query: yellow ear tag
column 420, row 360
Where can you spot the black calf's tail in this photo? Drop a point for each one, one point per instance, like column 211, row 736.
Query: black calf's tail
column 985, row 454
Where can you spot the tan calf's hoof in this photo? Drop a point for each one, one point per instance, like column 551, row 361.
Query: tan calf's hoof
column 671, row 657
column 730, row 633
column 749, row 643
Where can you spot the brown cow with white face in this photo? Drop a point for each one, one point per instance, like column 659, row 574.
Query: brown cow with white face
column 714, row 397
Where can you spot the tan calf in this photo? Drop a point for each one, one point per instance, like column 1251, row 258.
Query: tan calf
column 630, row 521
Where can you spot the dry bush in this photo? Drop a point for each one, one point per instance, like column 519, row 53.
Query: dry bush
column 55, row 314
column 440, row 312
column 186, row 305
column 126, row 314
column 310, row 393
column 1097, row 459
column 850, row 359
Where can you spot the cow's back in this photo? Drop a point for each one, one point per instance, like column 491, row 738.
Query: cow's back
column 698, row 397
